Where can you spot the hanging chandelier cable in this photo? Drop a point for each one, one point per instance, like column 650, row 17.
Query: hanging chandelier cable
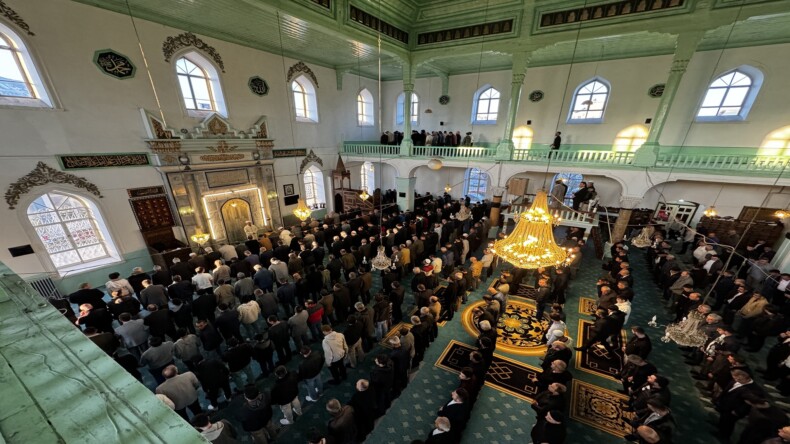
column 145, row 63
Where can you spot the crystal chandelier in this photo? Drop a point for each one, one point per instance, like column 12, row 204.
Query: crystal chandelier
column 364, row 195
column 301, row 211
column 710, row 212
column 531, row 245
column 200, row 237
column 381, row 261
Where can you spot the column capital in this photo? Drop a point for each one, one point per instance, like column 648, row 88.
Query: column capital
column 679, row 65
column 630, row 202
column 408, row 87
column 518, row 79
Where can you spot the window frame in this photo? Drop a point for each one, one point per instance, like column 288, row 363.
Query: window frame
column 365, row 116
column 577, row 92
column 315, row 187
column 98, row 222
column 477, row 98
column 755, row 75
column 192, row 78
column 214, row 83
column 310, row 100
column 367, row 178
column 400, row 103
column 31, row 71
column 481, row 188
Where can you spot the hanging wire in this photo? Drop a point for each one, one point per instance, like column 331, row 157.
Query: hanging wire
column 145, row 63
column 480, row 64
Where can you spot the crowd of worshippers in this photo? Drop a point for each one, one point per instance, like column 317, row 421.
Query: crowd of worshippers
column 199, row 324
column 428, row 138
column 733, row 309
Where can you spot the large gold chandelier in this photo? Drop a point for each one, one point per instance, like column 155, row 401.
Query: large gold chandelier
column 531, row 245
column 302, row 211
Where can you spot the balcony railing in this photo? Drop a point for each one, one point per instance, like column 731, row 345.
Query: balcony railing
column 741, row 161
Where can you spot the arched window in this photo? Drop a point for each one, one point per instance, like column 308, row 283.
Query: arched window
column 475, row 184
column 71, row 230
column 314, row 187
column 589, row 102
column 485, row 106
column 367, row 178
column 777, row 143
column 630, row 139
column 199, row 84
column 365, row 108
column 415, row 108
column 305, row 104
column 522, row 138
column 731, row 95
column 572, row 181
column 20, row 81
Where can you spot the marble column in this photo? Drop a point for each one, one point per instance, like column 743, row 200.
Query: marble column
column 493, row 216
column 404, row 186
column 627, row 204
column 505, row 147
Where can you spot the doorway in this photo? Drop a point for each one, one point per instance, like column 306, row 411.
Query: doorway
column 235, row 212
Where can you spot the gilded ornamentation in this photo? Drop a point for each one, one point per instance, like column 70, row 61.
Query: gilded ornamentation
column 169, row 159
column 217, row 127
column 14, row 18
column 301, row 68
column 296, row 152
column 103, row 161
column 174, row 43
column 160, row 147
column 311, row 157
column 114, row 64
column 263, row 131
column 43, row 174
column 221, row 157
column 519, row 330
column 600, row 408
column 222, row 147
column 159, row 129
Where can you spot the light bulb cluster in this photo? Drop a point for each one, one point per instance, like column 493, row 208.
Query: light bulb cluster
column 711, row 212
column 301, row 211
column 531, row 245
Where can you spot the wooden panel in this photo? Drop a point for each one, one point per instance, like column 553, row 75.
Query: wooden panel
column 765, row 214
column 518, row 186
column 152, row 212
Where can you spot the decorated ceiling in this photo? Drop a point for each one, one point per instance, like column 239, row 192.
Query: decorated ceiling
column 447, row 37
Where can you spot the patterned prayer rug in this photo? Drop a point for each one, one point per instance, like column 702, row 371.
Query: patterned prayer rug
column 525, row 291
column 600, row 408
column 519, row 331
column 506, row 375
column 394, row 331
column 597, row 359
column 587, row 306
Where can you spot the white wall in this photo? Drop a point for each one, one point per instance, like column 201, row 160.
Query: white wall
column 100, row 114
column 628, row 104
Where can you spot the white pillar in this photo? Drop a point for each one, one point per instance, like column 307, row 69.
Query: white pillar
column 404, row 186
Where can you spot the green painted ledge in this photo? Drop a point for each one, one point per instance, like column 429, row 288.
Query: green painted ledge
column 56, row 386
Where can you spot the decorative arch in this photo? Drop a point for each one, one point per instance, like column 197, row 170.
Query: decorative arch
column 44, row 174
column 485, row 105
column 174, row 44
column 301, row 68
column 730, row 96
column 589, row 101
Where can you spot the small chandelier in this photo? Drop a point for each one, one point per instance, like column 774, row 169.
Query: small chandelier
column 435, row 164
column 364, row 195
column 447, row 188
column 200, row 237
column 381, row 261
column 781, row 214
column 301, row 211
column 711, row 212
column 531, row 245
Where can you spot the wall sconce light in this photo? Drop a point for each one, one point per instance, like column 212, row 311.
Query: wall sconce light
column 184, row 160
column 186, row 210
column 271, row 195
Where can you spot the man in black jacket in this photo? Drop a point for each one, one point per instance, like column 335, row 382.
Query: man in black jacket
column 382, row 379
column 228, row 322
column 256, row 415
column 364, row 403
column 180, row 289
column 278, row 334
column 285, row 393
column 209, row 338
column 238, row 357
column 88, row 295
column 213, row 377
column 160, row 322
column 731, row 404
column 639, row 344
column 181, row 313
column 457, row 411
column 310, row 372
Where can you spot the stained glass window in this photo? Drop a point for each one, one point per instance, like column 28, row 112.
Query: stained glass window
column 68, row 229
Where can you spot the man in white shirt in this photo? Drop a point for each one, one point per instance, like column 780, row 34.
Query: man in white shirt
column 250, row 230
column 228, row 252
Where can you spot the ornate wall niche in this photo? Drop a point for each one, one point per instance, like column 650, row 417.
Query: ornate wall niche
column 44, row 174
column 173, row 44
column 301, row 68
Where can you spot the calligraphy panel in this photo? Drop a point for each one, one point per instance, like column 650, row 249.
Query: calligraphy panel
column 225, row 178
column 72, row 162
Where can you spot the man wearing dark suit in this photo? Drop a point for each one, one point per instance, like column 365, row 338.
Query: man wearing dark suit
column 600, row 331
column 160, row 322
column 88, row 295
column 639, row 344
column 442, row 433
column 731, row 404
column 616, row 319
column 161, row 276
column 542, row 297
column 457, row 411
column 227, row 322
column 182, row 269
